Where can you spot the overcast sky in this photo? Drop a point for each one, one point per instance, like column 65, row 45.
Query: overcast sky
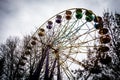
column 21, row 17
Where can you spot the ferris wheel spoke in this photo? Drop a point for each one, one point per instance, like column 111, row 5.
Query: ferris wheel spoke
column 72, row 59
column 77, row 29
column 82, row 43
column 89, row 29
column 71, row 27
column 88, row 32
column 66, row 73
column 77, row 46
column 72, row 32
column 52, row 69
column 67, row 30
column 67, row 68
column 61, row 30
column 78, row 52
column 77, row 37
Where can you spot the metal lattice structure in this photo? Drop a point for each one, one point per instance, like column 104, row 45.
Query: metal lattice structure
column 61, row 42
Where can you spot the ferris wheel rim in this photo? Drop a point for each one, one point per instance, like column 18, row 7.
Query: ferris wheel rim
column 65, row 55
column 56, row 14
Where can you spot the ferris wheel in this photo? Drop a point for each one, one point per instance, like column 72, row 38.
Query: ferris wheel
column 63, row 40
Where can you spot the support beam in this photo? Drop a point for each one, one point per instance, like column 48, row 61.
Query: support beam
column 47, row 66
column 52, row 70
column 36, row 74
column 58, row 68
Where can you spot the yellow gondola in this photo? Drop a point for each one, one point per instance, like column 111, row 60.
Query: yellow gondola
column 68, row 12
column 106, row 60
column 98, row 19
column 28, row 47
column 103, row 31
column 42, row 30
column 22, row 63
column 41, row 33
column 105, row 39
column 34, row 38
column 103, row 48
column 33, row 42
column 27, row 52
column 23, row 57
column 68, row 17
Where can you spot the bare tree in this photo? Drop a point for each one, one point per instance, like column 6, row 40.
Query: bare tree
column 2, row 60
column 11, row 55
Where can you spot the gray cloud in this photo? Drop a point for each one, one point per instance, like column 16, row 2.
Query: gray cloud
column 114, row 5
column 20, row 17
